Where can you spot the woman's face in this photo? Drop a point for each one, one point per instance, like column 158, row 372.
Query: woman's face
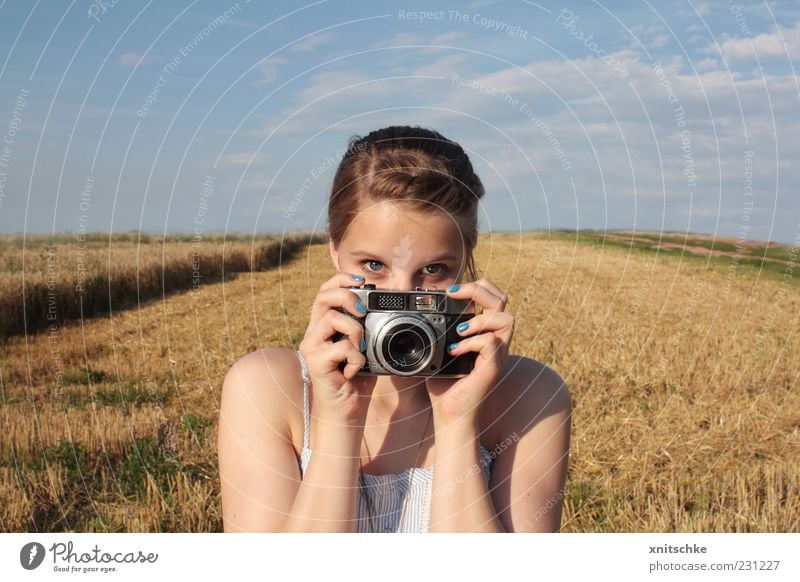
column 396, row 247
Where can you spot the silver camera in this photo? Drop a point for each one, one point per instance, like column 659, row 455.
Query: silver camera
column 407, row 332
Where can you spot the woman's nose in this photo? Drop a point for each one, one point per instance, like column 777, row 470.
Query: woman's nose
column 402, row 282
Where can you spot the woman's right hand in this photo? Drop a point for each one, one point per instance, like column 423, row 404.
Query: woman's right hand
column 339, row 395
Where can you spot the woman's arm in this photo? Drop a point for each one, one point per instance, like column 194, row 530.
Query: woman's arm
column 529, row 473
column 260, row 478
column 461, row 500
column 525, row 492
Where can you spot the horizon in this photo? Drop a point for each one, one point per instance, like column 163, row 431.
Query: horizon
column 210, row 234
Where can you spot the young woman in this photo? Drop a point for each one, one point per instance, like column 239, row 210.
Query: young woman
column 306, row 446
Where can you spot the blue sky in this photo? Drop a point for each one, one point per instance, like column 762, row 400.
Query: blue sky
column 218, row 116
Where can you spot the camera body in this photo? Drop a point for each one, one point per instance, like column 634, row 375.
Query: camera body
column 407, row 332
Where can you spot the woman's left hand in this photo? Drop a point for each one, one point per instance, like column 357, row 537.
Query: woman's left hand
column 489, row 334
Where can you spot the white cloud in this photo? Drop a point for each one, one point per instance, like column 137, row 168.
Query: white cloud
column 449, row 38
column 783, row 43
column 314, row 41
column 136, row 59
column 332, row 84
column 445, row 66
column 340, row 93
column 707, row 64
column 658, row 41
column 269, row 69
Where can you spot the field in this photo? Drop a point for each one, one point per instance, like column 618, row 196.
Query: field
column 46, row 282
column 682, row 365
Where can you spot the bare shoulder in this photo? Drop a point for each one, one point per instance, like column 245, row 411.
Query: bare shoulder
column 269, row 380
column 528, row 392
column 258, row 464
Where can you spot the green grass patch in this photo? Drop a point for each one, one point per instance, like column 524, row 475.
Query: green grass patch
column 584, row 499
column 197, row 426
column 86, row 481
column 100, row 524
column 748, row 265
column 72, row 457
column 685, row 240
column 143, row 458
column 83, row 376
column 131, row 394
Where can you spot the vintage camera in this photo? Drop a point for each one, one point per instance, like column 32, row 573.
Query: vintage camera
column 407, row 332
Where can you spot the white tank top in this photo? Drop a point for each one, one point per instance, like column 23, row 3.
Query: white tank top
column 387, row 492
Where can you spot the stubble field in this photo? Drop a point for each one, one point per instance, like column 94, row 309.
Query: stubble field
column 683, row 372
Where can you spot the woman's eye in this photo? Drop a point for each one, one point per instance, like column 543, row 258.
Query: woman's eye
column 373, row 266
column 435, row 269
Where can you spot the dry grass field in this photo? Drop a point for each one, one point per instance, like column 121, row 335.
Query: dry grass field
column 683, row 373
column 51, row 280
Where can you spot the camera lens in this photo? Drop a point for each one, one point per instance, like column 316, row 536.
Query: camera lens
column 405, row 345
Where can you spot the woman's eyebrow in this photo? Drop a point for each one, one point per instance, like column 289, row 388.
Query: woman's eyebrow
column 362, row 253
column 444, row 258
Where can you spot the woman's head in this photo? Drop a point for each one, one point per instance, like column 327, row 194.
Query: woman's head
column 403, row 209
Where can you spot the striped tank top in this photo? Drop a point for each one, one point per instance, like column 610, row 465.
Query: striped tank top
column 389, row 491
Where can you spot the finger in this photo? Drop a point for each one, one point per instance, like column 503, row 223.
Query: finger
column 500, row 322
column 355, row 363
column 490, row 285
column 485, row 344
column 342, row 280
column 337, row 298
column 481, row 294
column 334, row 321
column 331, row 355
column 345, row 352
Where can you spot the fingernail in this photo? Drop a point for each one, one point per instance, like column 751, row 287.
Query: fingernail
column 454, row 287
column 451, row 347
column 462, row 327
column 360, row 307
column 363, row 345
column 357, row 278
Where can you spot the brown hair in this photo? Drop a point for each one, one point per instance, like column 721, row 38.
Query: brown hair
column 412, row 165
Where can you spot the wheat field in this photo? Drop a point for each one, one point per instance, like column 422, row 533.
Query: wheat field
column 684, row 382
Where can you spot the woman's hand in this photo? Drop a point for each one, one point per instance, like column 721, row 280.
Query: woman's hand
column 339, row 395
column 489, row 334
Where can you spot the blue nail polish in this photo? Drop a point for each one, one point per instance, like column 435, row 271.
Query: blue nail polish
column 363, row 345
column 454, row 287
column 451, row 347
column 462, row 327
column 358, row 278
column 360, row 307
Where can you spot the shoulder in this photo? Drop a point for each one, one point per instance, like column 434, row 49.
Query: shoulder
column 267, row 381
column 268, row 360
column 527, row 393
column 257, row 452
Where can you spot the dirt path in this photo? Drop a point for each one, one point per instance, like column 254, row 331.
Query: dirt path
column 703, row 251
